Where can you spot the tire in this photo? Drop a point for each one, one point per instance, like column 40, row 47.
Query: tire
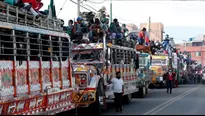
column 161, row 85
column 95, row 107
column 142, row 92
column 127, row 98
column 147, row 88
column 151, row 86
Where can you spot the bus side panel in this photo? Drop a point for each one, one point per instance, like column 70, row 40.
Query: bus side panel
column 65, row 75
column 7, row 86
column 56, row 74
column 34, row 76
column 46, row 74
column 21, row 78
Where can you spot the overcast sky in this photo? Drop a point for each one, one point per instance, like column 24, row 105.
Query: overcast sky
column 189, row 15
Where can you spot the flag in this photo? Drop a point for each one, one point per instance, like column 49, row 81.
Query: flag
column 52, row 10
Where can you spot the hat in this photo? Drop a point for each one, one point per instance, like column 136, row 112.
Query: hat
column 79, row 18
column 102, row 8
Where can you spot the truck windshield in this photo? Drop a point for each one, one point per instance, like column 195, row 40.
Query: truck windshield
column 159, row 62
column 87, row 55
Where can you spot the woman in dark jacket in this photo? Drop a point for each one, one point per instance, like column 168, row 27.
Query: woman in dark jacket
column 170, row 78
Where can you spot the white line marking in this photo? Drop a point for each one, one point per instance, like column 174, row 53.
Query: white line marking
column 153, row 113
column 161, row 105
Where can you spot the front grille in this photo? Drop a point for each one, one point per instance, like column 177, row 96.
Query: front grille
column 81, row 80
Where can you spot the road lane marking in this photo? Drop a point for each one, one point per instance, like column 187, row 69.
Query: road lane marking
column 161, row 105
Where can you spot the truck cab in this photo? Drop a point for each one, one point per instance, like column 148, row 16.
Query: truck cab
column 87, row 62
column 143, row 71
column 159, row 67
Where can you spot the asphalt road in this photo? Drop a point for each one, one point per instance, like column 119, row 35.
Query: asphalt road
column 184, row 100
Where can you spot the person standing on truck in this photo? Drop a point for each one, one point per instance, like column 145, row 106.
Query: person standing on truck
column 170, row 78
column 141, row 36
column 118, row 89
column 70, row 28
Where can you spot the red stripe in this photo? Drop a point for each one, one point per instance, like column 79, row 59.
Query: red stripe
column 90, row 89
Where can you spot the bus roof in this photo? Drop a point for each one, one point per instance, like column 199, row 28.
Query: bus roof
column 32, row 29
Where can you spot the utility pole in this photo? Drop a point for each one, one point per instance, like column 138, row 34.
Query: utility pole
column 110, row 11
column 185, row 42
column 78, row 9
column 149, row 26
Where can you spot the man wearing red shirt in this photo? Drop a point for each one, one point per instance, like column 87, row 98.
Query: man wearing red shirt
column 141, row 36
column 32, row 6
column 170, row 78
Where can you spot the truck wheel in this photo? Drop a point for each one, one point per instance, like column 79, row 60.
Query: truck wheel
column 161, row 85
column 147, row 88
column 142, row 92
column 96, row 106
column 127, row 98
column 151, row 86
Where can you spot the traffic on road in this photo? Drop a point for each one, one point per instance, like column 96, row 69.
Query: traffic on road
column 91, row 66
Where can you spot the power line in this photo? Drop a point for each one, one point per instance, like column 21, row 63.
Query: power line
column 97, row 11
column 62, row 7
column 97, row 2
column 113, row 15
column 90, row 7
column 81, row 6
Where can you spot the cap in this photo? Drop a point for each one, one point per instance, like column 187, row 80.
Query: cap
column 79, row 18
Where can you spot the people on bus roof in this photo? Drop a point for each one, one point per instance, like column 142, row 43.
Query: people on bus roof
column 97, row 30
column 31, row 5
column 115, row 30
column 141, row 36
column 101, row 14
column 70, row 28
column 79, row 29
column 124, row 29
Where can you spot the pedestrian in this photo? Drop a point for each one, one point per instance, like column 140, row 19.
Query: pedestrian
column 118, row 89
column 170, row 78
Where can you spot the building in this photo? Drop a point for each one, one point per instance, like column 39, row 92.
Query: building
column 156, row 32
column 131, row 27
column 196, row 48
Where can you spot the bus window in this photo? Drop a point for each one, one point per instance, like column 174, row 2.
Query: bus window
column 21, row 45
column 65, row 48
column 6, row 44
column 45, row 48
column 55, row 48
column 34, row 46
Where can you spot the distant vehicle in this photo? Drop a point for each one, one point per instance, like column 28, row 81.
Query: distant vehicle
column 159, row 67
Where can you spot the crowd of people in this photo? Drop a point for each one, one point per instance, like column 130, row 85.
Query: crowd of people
column 95, row 30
